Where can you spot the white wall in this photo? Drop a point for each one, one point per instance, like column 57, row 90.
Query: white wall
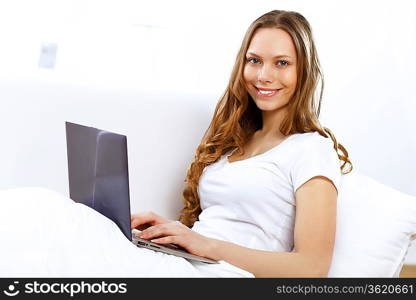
column 366, row 49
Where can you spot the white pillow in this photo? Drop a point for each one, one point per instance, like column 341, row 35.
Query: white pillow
column 375, row 224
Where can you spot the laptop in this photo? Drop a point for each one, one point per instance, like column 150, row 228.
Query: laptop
column 98, row 177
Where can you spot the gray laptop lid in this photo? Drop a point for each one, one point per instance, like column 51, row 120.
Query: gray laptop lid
column 98, row 172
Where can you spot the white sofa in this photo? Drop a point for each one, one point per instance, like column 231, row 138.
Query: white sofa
column 375, row 223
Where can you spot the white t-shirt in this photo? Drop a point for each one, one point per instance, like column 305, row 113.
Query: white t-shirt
column 251, row 202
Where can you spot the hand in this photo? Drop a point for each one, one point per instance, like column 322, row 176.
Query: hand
column 174, row 232
column 146, row 219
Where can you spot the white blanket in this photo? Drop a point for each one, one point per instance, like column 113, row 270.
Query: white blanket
column 45, row 234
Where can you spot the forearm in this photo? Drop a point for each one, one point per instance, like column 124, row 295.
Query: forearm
column 270, row 264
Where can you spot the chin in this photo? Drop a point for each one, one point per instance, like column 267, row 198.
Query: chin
column 268, row 106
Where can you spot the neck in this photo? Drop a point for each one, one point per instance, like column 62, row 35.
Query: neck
column 272, row 120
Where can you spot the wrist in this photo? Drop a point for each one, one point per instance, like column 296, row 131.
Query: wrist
column 213, row 250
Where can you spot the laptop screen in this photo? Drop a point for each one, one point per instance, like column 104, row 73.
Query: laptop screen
column 98, row 172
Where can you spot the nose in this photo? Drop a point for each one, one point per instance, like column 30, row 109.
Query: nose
column 266, row 74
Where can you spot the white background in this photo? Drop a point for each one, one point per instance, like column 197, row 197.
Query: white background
column 367, row 51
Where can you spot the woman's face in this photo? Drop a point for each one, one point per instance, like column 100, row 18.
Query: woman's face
column 270, row 68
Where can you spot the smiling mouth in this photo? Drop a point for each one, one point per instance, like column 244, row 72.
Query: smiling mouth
column 267, row 93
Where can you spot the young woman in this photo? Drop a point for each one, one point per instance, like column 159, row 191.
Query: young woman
column 260, row 195
column 261, row 192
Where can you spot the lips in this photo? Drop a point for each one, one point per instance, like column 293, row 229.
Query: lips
column 262, row 92
column 264, row 89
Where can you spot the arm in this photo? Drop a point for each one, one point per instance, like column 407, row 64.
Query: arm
column 314, row 237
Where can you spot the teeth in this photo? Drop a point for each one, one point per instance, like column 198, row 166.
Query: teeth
column 265, row 92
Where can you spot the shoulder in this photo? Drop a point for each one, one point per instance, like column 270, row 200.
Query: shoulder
column 301, row 145
column 314, row 155
column 308, row 138
column 309, row 143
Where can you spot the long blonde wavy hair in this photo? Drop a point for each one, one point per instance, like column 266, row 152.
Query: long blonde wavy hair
column 236, row 116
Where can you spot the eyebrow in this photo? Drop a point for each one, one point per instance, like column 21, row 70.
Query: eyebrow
column 277, row 56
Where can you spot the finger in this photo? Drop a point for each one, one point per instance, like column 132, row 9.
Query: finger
column 148, row 217
column 166, row 240
column 142, row 218
column 165, row 229
column 140, row 224
column 135, row 222
column 140, row 227
column 175, row 240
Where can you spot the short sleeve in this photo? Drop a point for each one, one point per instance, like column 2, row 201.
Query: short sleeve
column 316, row 157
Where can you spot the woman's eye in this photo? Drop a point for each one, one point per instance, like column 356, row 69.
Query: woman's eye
column 282, row 63
column 252, row 60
